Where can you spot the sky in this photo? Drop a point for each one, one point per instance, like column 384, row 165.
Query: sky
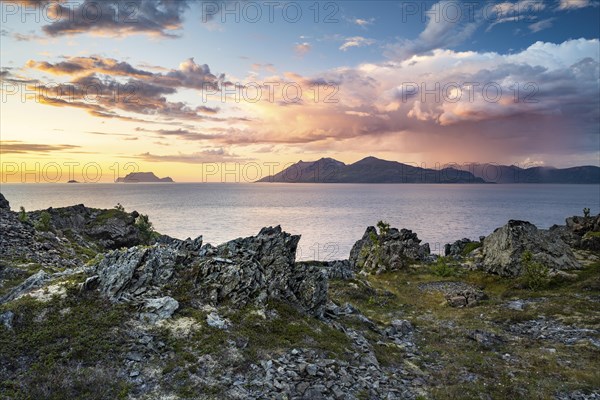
column 237, row 90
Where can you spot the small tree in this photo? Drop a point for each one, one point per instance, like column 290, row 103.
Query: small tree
column 586, row 213
column 119, row 207
column 23, row 217
column 535, row 274
column 146, row 228
column 43, row 223
column 384, row 228
column 443, row 269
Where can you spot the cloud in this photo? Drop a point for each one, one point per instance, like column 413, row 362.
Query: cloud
column 104, row 85
column 302, row 48
column 356, row 41
column 555, row 112
column 541, row 25
column 363, row 22
column 574, row 4
column 200, row 157
column 189, row 74
column 504, row 12
column 18, row 147
column 112, row 17
column 440, row 32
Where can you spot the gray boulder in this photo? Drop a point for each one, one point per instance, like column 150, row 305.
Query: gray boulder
column 391, row 251
column 502, row 250
column 159, row 308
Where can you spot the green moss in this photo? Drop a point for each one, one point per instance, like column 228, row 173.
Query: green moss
column 290, row 329
column 77, row 337
column 105, row 215
column 449, row 355
column 471, row 247
column 591, row 234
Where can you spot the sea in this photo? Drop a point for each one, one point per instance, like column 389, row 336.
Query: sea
column 329, row 217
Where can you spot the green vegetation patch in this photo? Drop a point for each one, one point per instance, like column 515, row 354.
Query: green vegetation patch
column 78, row 336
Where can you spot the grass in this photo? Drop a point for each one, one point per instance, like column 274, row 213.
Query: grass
column 259, row 338
column 451, row 357
column 68, row 346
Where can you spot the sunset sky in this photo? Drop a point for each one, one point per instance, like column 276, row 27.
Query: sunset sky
column 168, row 86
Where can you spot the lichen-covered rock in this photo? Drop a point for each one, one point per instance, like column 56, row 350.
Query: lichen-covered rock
column 580, row 232
column 504, row 248
column 389, row 251
column 337, row 269
column 261, row 267
column 33, row 282
column 243, row 271
column 160, row 308
column 111, row 229
column 456, row 249
column 131, row 273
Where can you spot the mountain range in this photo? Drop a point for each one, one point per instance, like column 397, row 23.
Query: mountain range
column 375, row 170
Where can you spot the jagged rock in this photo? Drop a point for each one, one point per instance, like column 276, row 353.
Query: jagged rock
column 503, row 249
column 159, row 309
column 21, row 243
column 394, row 250
column 35, row 281
column 456, row 249
column 242, row 271
column 580, row 232
column 261, row 267
column 4, row 204
column 111, row 229
column 127, row 274
column 338, row 269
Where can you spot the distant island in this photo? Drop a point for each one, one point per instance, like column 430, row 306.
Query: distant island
column 375, row 170
column 143, row 177
column 73, row 181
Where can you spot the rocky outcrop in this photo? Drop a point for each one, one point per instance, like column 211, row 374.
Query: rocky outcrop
column 261, row 267
column 337, row 269
column 35, row 281
column 580, row 232
column 389, row 251
column 4, row 204
column 503, row 249
column 139, row 271
column 243, row 271
column 457, row 294
column 22, row 245
column 111, row 229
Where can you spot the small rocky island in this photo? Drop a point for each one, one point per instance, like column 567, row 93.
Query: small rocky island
column 96, row 299
column 143, row 177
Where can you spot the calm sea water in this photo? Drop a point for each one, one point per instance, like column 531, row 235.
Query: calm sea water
column 330, row 217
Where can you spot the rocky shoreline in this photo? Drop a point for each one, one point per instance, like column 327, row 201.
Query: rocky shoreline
column 95, row 298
